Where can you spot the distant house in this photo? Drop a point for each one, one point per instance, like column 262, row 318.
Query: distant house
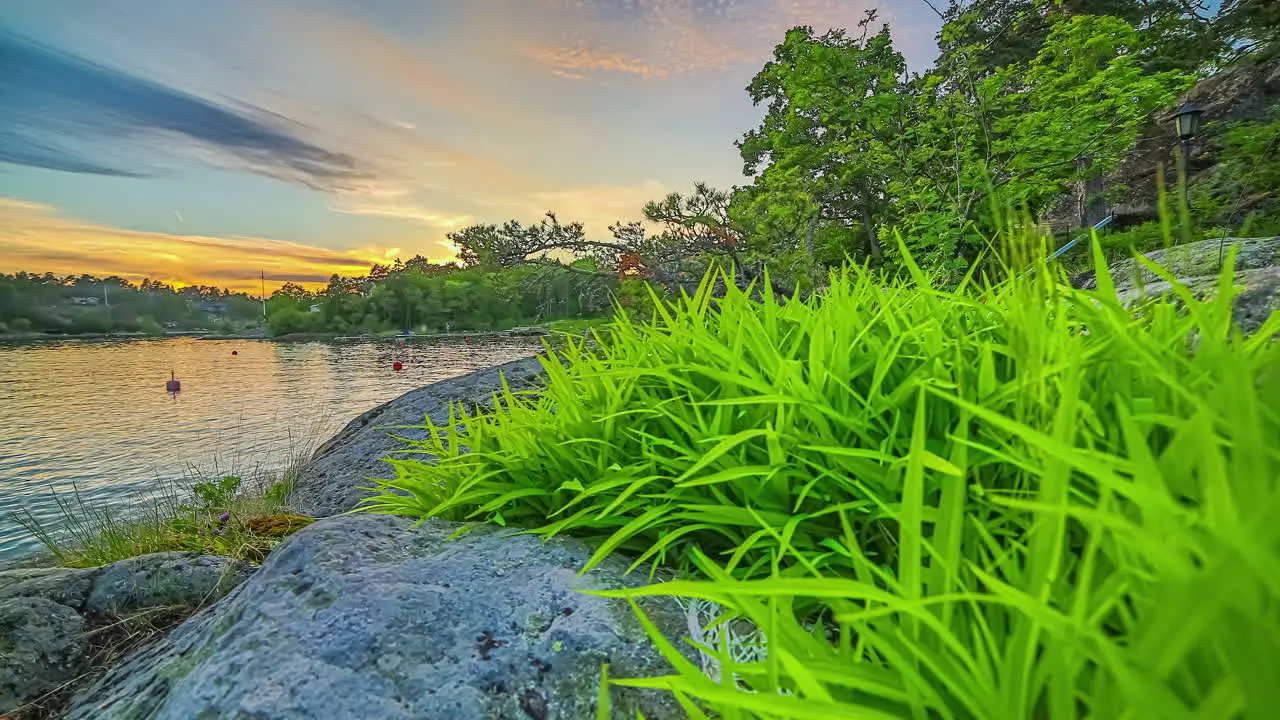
column 84, row 301
column 214, row 308
column 314, row 308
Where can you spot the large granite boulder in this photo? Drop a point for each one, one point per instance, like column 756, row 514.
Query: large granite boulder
column 45, row 612
column 1193, row 260
column 1196, row 265
column 367, row 616
column 349, row 460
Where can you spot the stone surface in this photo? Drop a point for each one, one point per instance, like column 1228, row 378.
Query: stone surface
column 45, row 612
column 1195, row 265
column 347, row 461
column 65, row 586
column 363, row 616
column 42, row 646
column 1193, row 260
column 164, row 579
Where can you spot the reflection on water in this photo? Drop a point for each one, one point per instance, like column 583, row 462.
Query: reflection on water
column 96, row 414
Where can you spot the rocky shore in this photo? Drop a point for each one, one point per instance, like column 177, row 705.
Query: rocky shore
column 354, row 616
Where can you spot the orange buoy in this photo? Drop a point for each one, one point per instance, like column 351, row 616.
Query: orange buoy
column 172, row 384
column 397, row 365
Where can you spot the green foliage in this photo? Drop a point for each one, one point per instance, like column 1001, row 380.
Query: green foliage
column 1018, row 500
column 988, row 34
column 848, row 139
column 88, row 304
column 1250, row 28
column 835, row 107
column 1245, row 176
column 438, row 298
column 213, row 498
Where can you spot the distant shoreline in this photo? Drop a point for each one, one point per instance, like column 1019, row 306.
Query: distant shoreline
column 290, row 337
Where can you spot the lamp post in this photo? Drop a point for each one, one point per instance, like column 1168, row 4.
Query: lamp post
column 1187, row 121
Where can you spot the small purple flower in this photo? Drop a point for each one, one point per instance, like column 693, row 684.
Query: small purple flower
column 202, row 531
column 224, row 517
column 218, row 531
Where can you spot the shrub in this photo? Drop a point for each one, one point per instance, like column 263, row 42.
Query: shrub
column 1018, row 500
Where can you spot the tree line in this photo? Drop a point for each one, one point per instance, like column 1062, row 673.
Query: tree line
column 76, row 304
column 431, row 297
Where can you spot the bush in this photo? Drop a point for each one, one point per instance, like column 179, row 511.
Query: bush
column 291, row 320
column 149, row 326
column 1009, row 501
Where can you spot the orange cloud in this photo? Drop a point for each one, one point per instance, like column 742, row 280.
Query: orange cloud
column 666, row 38
column 36, row 238
column 599, row 206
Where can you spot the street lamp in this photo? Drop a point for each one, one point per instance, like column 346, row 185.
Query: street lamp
column 1187, row 121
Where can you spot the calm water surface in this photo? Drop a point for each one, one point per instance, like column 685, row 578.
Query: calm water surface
column 95, row 415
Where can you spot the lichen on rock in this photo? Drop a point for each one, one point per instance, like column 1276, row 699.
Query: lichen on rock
column 375, row 616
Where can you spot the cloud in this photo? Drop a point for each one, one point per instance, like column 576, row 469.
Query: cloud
column 655, row 39
column 646, row 38
column 407, row 212
column 597, row 207
column 346, row 43
column 36, row 238
column 66, row 113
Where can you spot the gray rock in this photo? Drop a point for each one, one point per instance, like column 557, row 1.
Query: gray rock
column 1194, row 260
column 42, row 646
column 65, row 586
column 161, row 579
column 363, row 616
column 1195, row 266
column 45, row 612
column 346, row 462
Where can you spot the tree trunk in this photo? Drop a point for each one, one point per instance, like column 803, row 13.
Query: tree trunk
column 1091, row 205
column 873, row 242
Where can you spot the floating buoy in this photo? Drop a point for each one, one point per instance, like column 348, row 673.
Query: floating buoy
column 235, row 352
column 400, row 342
column 397, row 365
column 172, row 384
column 468, row 339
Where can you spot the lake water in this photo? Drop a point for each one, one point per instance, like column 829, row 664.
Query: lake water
column 94, row 415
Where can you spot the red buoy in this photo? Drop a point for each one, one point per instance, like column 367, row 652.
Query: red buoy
column 468, row 339
column 235, row 352
column 397, row 365
column 172, row 384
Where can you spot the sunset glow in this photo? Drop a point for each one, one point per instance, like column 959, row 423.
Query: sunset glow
column 204, row 143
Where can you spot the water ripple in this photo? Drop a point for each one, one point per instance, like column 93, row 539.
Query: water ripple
column 94, row 415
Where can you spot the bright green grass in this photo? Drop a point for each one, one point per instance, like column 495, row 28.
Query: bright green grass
column 1002, row 502
column 577, row 326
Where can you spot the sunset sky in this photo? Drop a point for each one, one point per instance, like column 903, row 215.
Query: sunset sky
column 197, row 142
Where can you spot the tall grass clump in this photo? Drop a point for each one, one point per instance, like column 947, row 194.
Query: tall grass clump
column 237, row 507
column 999, row 501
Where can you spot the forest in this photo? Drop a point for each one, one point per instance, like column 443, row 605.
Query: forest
column 84, row 304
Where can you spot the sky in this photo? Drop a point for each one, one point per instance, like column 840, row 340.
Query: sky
column 205, row 142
